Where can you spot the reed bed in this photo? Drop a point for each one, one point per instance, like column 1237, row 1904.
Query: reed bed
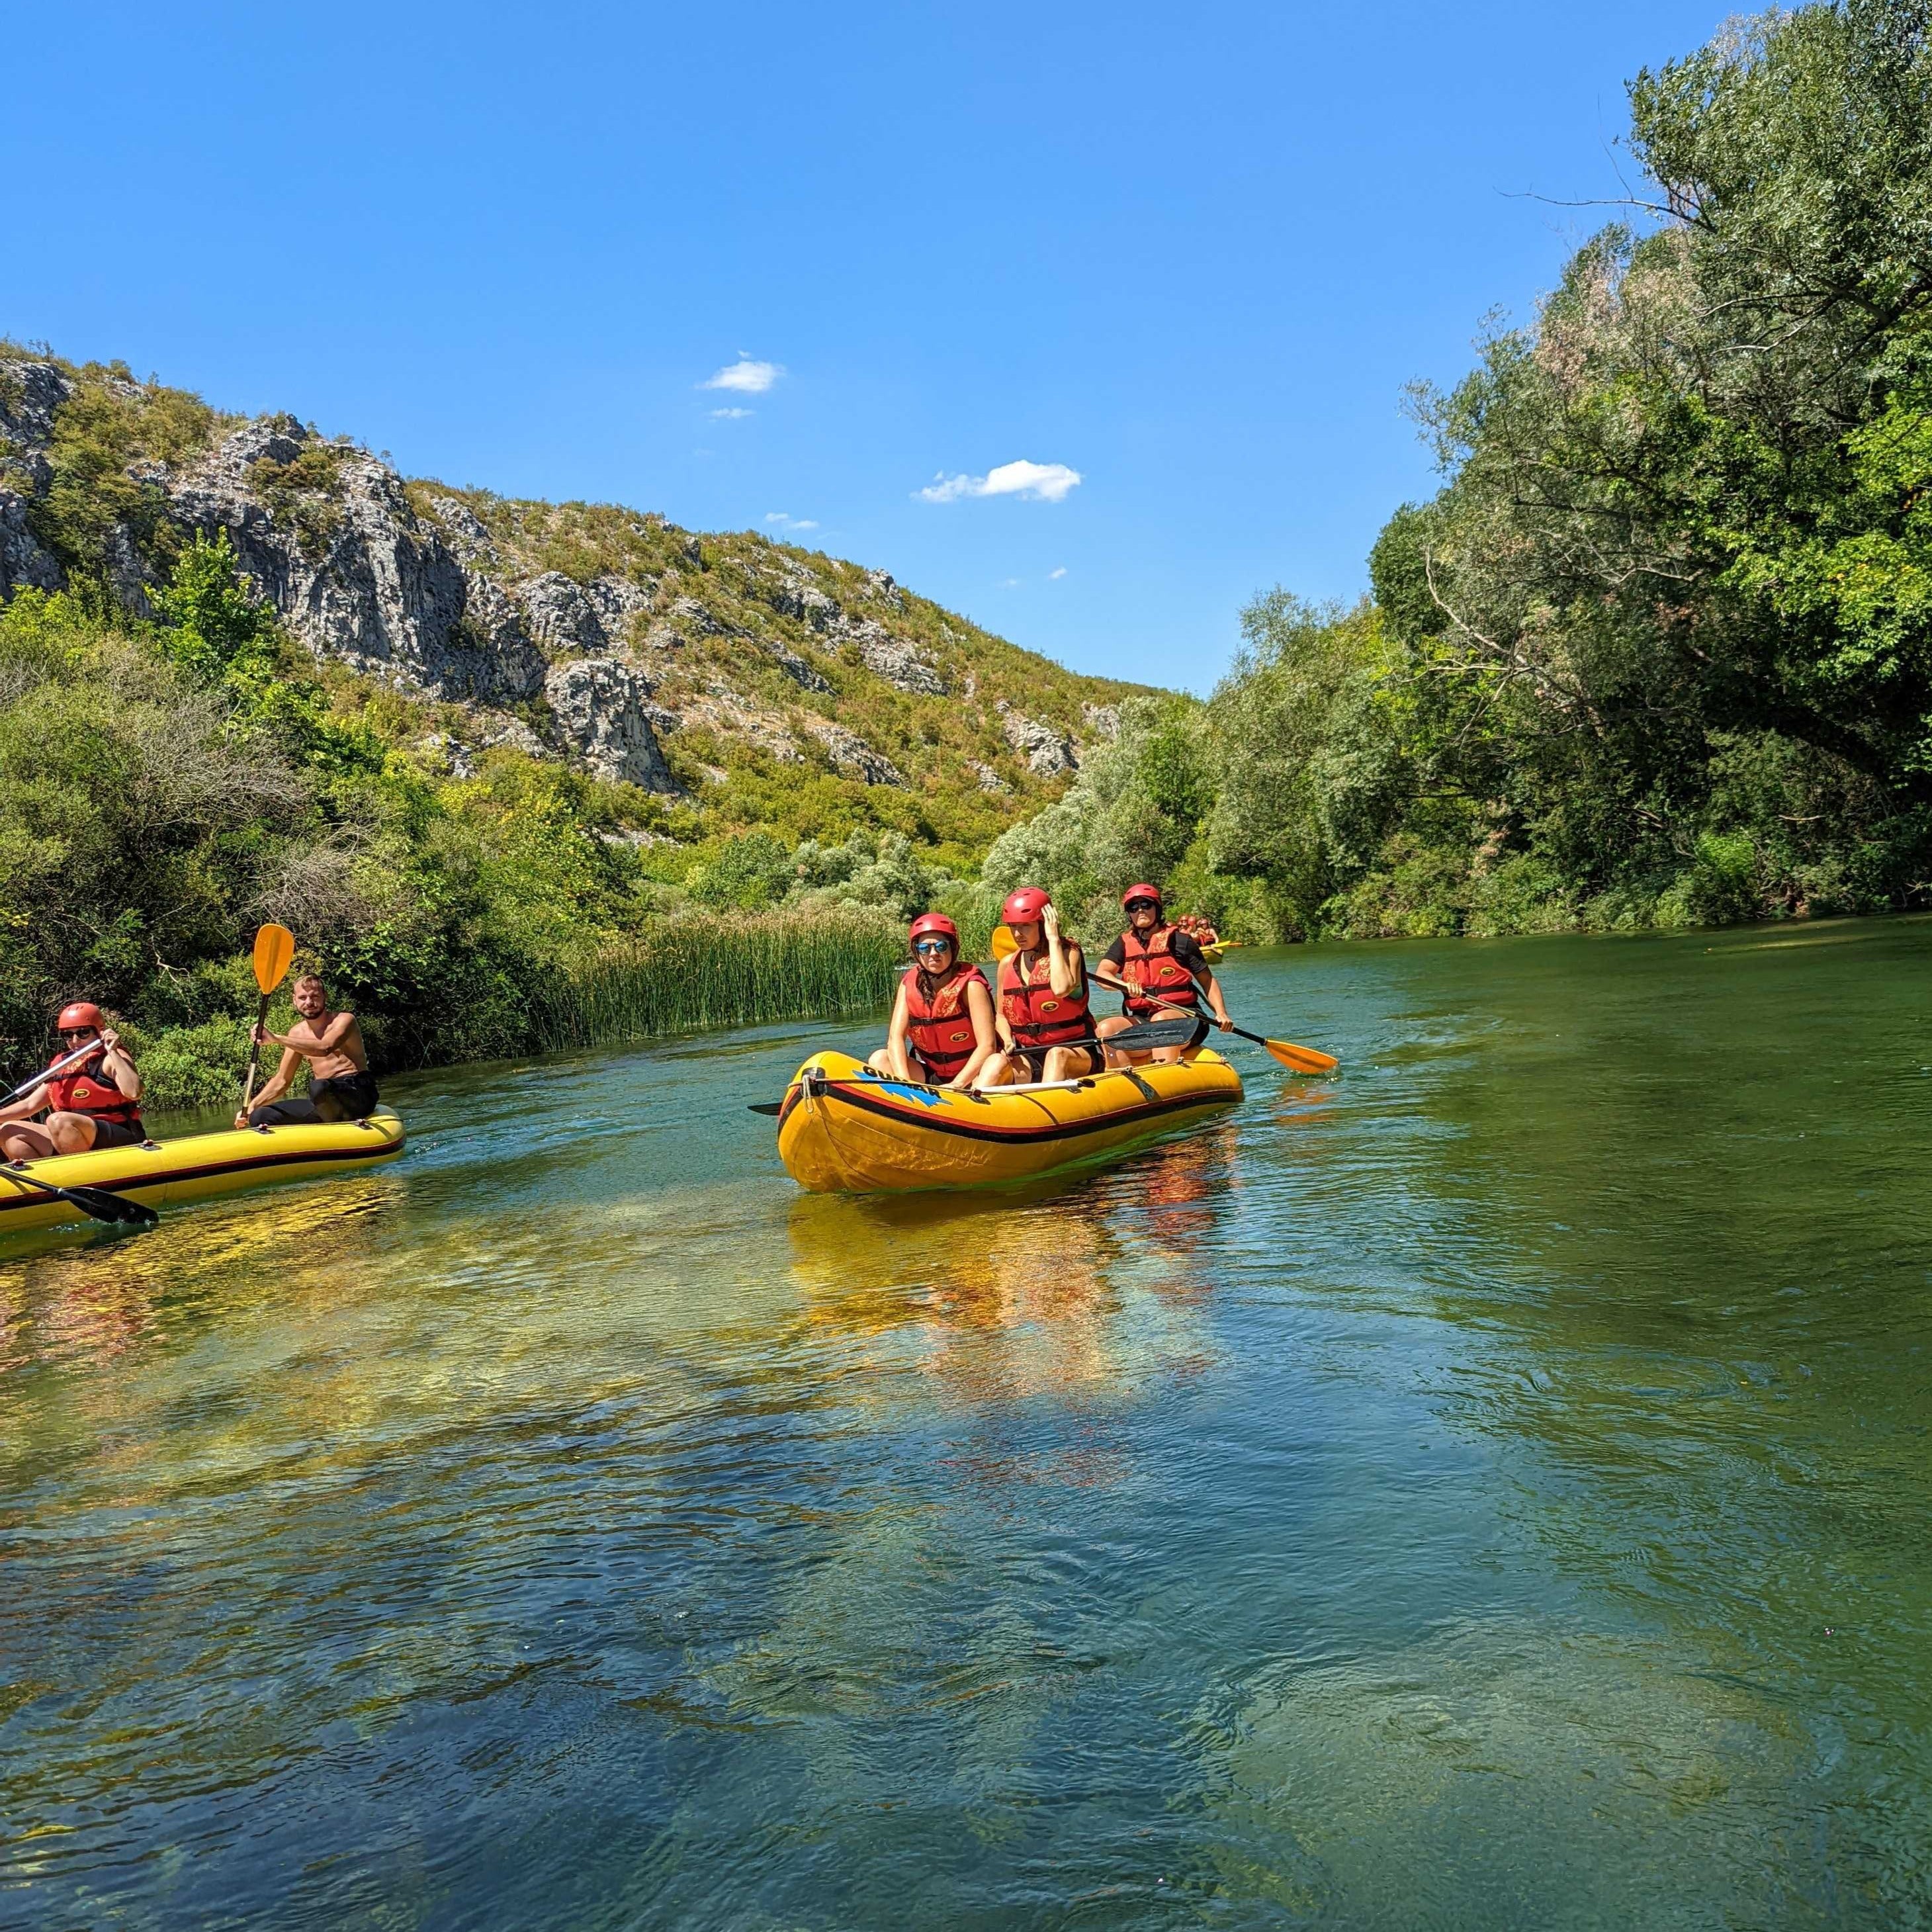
column 696, row 974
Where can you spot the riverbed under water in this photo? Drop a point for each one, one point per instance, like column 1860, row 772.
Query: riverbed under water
column 1487, row 1488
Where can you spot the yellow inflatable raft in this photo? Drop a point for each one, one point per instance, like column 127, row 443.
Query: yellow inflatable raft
column 196, row 1168
column 845, row 1130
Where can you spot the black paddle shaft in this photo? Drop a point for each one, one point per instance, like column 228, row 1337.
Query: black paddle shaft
column 254, row 1053
column 94, row 1202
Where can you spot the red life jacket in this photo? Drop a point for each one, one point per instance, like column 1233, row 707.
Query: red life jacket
column 1037, row 1014
column 941, row 1028
column 1151, row 966
column 87, row 1090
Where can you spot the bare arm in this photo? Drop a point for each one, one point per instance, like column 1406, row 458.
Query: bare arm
column 1203, row 974
column 1063, row 956
column 21, row 1109
column 896, row 1051
column 119, row 1069
column 277, row 1084
column 330, row 1037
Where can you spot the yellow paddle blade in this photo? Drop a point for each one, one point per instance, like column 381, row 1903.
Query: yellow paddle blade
column 1302, row 1059
column 1003, row 943
column 274, row 950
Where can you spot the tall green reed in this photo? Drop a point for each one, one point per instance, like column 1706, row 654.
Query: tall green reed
column 696, row 973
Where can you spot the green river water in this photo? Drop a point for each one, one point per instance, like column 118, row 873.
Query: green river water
column 1486, row 1489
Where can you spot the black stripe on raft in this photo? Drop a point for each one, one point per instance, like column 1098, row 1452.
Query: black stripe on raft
column 1060, row 1130
column 139, row 1183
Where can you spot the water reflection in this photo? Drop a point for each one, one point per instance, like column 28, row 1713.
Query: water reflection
column 1055, row 1289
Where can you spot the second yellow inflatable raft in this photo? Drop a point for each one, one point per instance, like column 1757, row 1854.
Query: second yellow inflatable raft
column 194, row 1168
column 845, row 1130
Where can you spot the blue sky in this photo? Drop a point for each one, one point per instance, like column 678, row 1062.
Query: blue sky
column 1191, row 255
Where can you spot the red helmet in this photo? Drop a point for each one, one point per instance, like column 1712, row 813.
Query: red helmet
column 1133, row 893
column 933, row 921
column 81, row 1013
column 1023, row 907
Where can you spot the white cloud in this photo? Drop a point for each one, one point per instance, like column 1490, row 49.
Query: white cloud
column 1010, row 583
column 731, row 416
column 785, row 523
column 1054, row 576
column 748, row 378
column 1036, row 482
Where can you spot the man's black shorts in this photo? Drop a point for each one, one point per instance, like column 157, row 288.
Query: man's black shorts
column 349, row 1096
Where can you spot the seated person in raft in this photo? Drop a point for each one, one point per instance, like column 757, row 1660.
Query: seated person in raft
column 340, row 1087
column 92, row 1104
column 1155, row 966
column 942, row 1028
column 1046, row 1021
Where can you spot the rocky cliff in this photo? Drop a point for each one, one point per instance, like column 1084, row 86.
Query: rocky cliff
column 615, row 640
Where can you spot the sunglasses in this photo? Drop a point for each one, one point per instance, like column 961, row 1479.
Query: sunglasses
column 933, row 946
column 1143, row 905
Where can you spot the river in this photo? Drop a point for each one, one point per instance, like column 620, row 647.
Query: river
column 1488, row 1488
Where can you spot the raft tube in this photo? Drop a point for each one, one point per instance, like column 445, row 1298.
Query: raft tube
column 845, row 1129
column 193, row 1169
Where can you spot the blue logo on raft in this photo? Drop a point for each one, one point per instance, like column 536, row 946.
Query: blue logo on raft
column 925, row 1096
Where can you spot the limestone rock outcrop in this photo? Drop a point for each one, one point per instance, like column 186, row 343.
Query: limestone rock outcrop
column 1046, row 750
column 599, row 706
column 581, row 631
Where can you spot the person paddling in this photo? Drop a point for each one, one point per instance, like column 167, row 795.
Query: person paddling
column 1045, row 1017
column 341, row 1086
column 942, row 1031
column 92, row 1105
column 1155, row 966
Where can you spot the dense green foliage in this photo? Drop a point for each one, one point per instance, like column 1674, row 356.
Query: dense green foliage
column 1660, row 650
column 165, row 787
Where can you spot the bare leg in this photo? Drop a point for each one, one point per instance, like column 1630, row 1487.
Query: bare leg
column 71, row 1133
column 20, row 1142
column 1068, row 1062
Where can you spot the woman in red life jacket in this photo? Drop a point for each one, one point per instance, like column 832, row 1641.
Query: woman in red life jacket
column 1045, row 1022
column 1155, row 966
column 942, row 1029
column 92, row 1104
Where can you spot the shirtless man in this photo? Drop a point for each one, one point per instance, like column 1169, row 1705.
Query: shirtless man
column 340, row 1085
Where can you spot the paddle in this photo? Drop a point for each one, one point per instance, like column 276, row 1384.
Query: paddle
column 275, row 948
column 1296, row 1059
column 95, row 1202
column 59, row 1067
column 1134, row 1040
